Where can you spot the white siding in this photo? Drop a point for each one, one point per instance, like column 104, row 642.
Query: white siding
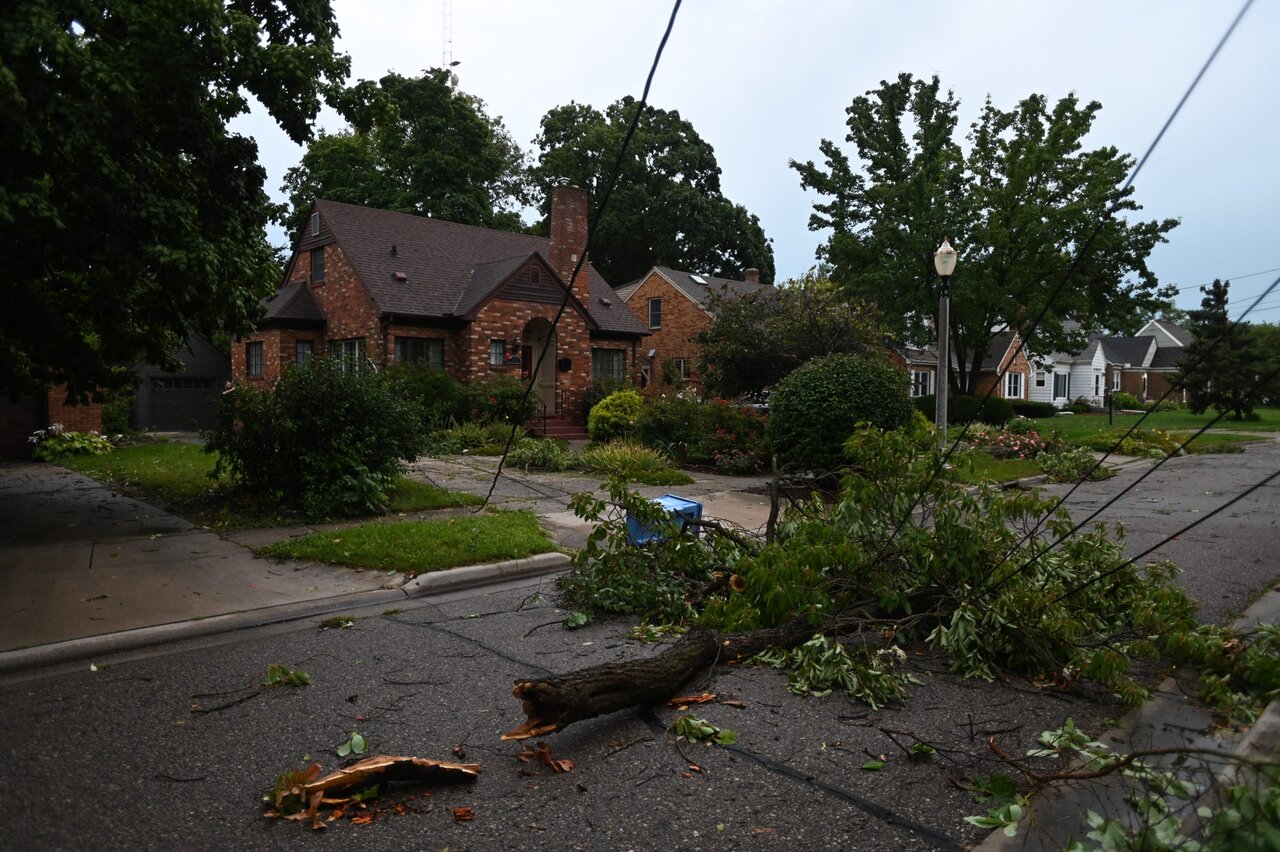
column 1045, row 394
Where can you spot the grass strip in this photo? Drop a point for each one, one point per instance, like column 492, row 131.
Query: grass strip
column 416, row 547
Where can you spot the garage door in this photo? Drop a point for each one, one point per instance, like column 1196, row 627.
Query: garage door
column 180, row 404
column 18, row 419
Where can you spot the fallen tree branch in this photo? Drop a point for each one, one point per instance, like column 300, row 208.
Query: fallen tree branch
column 1125, row 760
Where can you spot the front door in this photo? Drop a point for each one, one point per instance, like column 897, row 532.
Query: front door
column 538, row 334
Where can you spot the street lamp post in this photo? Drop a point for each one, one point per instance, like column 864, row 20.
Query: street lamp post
column 944, row 262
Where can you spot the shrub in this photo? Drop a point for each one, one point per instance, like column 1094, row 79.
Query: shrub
column 1120, row 399
column 819, row 405
column 966, row 408
column 500, row 398
column 1072, row 466
column 615, row 416
column 1080, row 405
column 479, row 438
column 116, row 412
column 55, row 443
column 624, row 459
column 541, row 454
column 1004, row 443
column 328, row 441
column 1027, row 408
column 600, row 389
column 434, row 396
column 732, row 437
column 672, row 424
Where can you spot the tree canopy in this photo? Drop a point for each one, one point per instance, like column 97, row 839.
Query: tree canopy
column 756, row 339
column 1224, row 361
column 130, row 212
column 1020, row 204
column 418, row 146
column 668, row 208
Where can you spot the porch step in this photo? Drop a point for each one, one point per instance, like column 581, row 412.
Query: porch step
column 558, row 427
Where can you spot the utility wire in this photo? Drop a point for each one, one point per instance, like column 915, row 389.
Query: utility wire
column 591, row 230
column 1220, row 339
column 944, row 370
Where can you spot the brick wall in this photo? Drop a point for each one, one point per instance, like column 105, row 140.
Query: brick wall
column 1019, row 364
column 74, row 418
column 505, row 320
column 682, row 321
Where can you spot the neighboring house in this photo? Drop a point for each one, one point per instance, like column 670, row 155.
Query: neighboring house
column 172, row 401
column 1150, row 377
column 675, row 307
column 921, row 366
column 370, row 288
column 1061, row 377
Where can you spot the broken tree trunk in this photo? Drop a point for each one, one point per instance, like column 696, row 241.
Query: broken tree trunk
column 555, row 703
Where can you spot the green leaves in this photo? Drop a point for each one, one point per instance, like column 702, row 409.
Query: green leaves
column 278, row 674
column 822, row 664
column 154, row 223
column 356, row 744
column 691, row 728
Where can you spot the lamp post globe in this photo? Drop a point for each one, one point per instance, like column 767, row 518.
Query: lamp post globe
column 944, row 263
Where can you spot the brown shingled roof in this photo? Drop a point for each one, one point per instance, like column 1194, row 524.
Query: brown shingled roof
column 446, row 265
column 294, row 304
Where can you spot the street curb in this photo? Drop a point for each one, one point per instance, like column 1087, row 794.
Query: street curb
column 476, row 575
column 452, row 579
column 143, row 637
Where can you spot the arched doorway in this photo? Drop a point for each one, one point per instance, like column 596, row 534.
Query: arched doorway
column 532, row 340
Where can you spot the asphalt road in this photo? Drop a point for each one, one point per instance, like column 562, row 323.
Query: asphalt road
column 158, row 750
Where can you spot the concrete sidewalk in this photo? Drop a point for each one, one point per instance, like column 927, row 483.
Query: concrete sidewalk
column 89, row 571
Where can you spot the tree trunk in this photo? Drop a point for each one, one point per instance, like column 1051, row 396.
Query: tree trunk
column 554, row 704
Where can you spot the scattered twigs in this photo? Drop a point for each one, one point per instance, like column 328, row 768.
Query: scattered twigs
column 1120, row 763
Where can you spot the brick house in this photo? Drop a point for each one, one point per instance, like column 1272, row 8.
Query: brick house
column 371, row 288
column 1142, row 365
column 21, row 416
column 675, row 306
column 1004, row 365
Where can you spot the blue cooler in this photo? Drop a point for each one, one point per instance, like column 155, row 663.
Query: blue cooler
column 684, row 514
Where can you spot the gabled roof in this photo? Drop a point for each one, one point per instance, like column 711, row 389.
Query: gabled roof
column 997, row 349
column 1167, row 357
column 439, row 267
column 699, row 288
column 1166, row 333
column 1135, row 351
column 294, row 303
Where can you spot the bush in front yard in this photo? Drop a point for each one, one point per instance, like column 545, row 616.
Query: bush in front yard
column 615, row 416
column 436, row 397
column 672, row 423
column 500, row 398
column 1121, row 399
column 327, row 441
column 815, row 409
column 965, row 408
column 1028, row 408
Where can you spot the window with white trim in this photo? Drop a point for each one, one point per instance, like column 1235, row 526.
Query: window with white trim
column 1041, row 378
column 655, row 313
column 348, row 353
column 1061, row 385
column 921, row 382
column 253, row 359
column 1013, row 386
column 1115, row 381
column 683, row 368
column 497, row 353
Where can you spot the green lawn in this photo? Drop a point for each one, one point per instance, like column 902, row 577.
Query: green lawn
column 415, row 547
column 977, row 466
column 1074, row 424
column 175, row 476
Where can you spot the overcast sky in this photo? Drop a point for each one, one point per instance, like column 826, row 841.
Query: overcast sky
column 763, row 82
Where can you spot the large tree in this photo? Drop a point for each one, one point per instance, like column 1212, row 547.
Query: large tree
column 129, row 212
column 668, row 208
column 1037, row 219
column 758, row 338
column 418, row 146
column 1224, row 362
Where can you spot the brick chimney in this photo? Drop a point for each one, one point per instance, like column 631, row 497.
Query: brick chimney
column 751, row 276
column 569, row 237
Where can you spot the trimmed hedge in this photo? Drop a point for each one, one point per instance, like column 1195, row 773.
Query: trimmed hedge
column 615, row 416
column 964, row 408
column 815, row 409
column 1026, row 408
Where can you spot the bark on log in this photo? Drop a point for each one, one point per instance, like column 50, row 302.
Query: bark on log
column 553, row 704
